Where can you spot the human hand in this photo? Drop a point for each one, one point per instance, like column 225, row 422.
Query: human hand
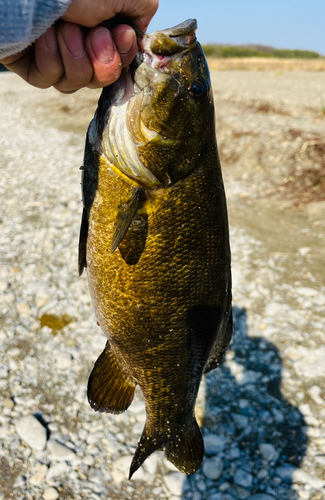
column 68, row 59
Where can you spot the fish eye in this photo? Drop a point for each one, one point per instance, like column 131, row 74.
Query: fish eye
column 198, row 89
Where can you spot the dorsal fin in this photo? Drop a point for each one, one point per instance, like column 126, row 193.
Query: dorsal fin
column 82, row 263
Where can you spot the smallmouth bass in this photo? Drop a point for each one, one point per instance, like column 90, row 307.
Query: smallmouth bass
column 154, row 239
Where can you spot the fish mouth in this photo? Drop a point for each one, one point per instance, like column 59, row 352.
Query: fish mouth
column 155, row 50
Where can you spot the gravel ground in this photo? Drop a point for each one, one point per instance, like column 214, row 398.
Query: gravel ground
column 262, row 412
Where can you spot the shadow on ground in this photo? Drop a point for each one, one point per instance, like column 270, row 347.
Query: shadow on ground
column 259, row 435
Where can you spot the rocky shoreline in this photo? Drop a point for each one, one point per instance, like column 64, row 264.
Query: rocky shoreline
column 262, row 412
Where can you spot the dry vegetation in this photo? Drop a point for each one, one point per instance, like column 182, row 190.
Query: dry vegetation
column 266, row 64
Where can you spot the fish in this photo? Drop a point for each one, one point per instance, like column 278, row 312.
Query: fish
column 154, row 239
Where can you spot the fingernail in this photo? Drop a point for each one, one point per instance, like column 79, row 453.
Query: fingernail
column 124, row 42
column 102, row 45
column 73, row 40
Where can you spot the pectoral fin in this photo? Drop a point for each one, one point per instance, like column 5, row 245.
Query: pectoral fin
column 125, row 216
column 109, row 388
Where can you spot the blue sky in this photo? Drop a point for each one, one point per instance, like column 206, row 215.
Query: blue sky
column 289, row 24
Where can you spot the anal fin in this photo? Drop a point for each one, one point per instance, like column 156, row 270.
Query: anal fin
column 109, row 388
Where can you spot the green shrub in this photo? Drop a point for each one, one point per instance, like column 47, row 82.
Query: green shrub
column 212, row 50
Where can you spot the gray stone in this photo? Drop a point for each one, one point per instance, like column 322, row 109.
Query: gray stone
column 260, row 496
column 249, row 377
column 213, row 444
column 269, row 452
column 213, row 467
column 240, row 420
column 242, row 492
column 32, row 432
column 243, row 478
column 285, row 472
column 59, row 452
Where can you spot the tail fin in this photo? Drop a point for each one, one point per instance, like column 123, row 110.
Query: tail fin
column 147, row 445
column 184, row 448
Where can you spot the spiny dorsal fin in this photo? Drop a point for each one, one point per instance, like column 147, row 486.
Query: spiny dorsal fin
column 125, row 216
column 109, row 388
column 82, row 263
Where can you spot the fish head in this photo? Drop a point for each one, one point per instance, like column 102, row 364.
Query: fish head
column 172, row 105
column 156, row 121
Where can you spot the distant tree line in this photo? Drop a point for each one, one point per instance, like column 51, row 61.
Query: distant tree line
column 212, row 50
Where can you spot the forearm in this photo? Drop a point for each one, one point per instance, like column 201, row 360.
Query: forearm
column 23, row 21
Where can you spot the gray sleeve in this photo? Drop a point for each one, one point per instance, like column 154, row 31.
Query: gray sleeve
column 22, row 21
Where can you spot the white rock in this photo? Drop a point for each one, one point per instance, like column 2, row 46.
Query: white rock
column 95, row 437
column 59, row 452
column 38, row 478
column 213, row 444
column 123, row 464
column 99, row 341
column 314, row 392
column 117, row 476
column 213, row 467
column 3, row 372
column 151, row 464
column 320, row 459
column 269, row 452
column 174, row 482
column 300, row 476
column 137, row 407
column 243, row 478
column 50, row 494
column 311, row 365
column 306, row 291
column 59, row 470
column 63, row 361
column 32, row 432
column 304, row 250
